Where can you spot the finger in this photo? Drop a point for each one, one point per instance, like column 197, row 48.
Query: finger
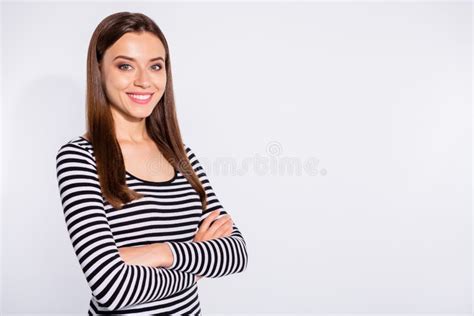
column 219, row 231
column 210, row 232
column 207, row 222
column 229, row 231
column 203, row 228
column 219, row 226
column 219, row 222
column 225, row 230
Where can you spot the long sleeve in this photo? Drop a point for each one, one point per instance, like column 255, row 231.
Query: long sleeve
column 114, row 283
column 211, row 258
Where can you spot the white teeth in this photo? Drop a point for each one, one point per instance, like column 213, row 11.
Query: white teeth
column 140, row 97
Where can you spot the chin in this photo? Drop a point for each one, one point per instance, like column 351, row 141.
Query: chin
column 141, row 116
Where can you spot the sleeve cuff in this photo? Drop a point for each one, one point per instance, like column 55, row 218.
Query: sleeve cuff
column 173, row 251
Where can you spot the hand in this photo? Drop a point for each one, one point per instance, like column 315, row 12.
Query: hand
column 146, row 255
column 220, row 228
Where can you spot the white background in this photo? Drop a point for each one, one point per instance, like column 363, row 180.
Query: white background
column 378, row 94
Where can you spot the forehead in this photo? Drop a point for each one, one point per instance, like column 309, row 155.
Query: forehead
column 137, row 45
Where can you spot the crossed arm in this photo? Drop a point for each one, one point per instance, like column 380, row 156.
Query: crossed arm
column 160, row 254
column 100, row 260
column 215, row 251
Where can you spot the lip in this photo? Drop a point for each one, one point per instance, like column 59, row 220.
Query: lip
column 140, row 93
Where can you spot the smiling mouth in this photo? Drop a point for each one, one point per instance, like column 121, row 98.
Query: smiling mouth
column 140, row 98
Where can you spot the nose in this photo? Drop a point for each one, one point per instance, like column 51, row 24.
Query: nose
column 142, row 80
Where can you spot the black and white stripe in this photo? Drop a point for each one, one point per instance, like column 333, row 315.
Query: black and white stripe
column 170, row 212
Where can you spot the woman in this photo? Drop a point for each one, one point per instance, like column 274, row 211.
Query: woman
column 143, row 219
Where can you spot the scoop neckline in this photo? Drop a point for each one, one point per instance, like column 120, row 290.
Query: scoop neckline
column 143, row 180
column 154, row 182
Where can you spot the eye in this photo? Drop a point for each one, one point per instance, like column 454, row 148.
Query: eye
column 161, row 66
column 121, row 68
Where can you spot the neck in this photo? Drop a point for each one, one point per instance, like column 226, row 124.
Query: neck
column 127, row 129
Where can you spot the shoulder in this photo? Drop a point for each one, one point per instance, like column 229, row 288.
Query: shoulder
column 189, row 152
column 193, row 160
column 77, row 147
column 187, row 149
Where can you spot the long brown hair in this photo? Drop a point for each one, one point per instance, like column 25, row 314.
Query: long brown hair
column 162, row 124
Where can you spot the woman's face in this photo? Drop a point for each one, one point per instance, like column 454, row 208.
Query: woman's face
column 134, row 74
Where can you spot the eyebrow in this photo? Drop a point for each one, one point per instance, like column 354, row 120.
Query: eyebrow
column 133, row 59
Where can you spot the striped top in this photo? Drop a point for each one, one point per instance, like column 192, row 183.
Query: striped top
column 170, row 212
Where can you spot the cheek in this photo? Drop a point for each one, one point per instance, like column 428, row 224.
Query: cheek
column 114, row 88
column 113, row 83
column 119, row 82
column 160, row 82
